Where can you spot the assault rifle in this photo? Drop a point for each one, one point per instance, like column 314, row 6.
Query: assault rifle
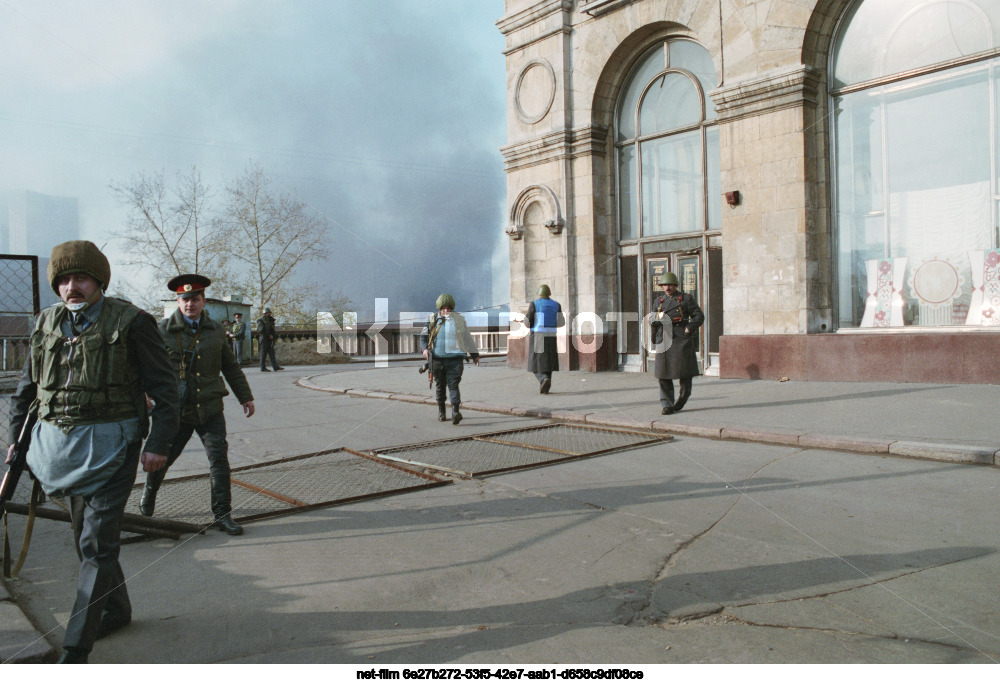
column 18, row 461
column 428, row 368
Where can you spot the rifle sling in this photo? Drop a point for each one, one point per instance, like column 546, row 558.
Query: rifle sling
column 8, row 573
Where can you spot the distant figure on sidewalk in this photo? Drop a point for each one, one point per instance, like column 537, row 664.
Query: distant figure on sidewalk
column 199, row 350
column 544, row 316
column 267, row 336
column 676, row 321
column 445, row 341
column 238, row 334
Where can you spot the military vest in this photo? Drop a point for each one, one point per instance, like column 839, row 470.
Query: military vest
column 87, row 379
column 546, row 316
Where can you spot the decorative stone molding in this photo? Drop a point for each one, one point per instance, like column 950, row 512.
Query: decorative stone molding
column 795, row 87
column 596, row 8
column 579, row 142
column 541, row 194
column 533, row 14
column 531, row 107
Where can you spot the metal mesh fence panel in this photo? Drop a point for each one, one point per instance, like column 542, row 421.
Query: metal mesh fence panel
column 518, row 448
column 284, row 486
column 19, row 305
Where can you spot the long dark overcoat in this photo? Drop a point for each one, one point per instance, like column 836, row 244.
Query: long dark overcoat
column 543, row 350
column 678, row 361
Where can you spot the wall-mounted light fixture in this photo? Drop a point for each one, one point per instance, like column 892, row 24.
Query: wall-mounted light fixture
column 733, row 198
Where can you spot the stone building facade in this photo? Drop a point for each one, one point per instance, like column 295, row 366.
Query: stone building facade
column 821, row 174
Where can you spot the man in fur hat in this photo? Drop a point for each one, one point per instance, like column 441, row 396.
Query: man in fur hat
column 93, row 360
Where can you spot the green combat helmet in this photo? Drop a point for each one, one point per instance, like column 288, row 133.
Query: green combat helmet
column 445, row 301
column 667, row 279
column 78, row 256
column 544, row 292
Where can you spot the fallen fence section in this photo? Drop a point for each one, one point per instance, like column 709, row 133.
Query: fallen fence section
column 515, row 449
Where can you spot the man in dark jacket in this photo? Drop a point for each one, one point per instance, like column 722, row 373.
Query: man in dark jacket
column 92, row 361
column 266, row 336
column 198, row 349
column 543, row 317
column 676, row 319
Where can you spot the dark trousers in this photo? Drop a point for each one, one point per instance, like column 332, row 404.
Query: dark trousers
column 448, row 373
column 542, row 376
column 267, row 350
column 667, row 393
column 213, row 437
column 238, row 350
column 97, row 526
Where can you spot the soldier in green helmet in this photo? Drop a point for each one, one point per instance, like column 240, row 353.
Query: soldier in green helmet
column 92, row 361
column 445, row 342
column 675, row 324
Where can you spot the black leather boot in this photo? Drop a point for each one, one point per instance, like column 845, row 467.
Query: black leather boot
column 228, row 524
column 456, row 416
column 148, row 503
column 222, row 506
column 442, row 415
column 73, row 655
column 682, row 397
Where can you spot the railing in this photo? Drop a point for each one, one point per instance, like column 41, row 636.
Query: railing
column 390, row 339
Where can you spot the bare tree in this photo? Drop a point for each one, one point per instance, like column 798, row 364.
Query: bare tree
column 302, row 304
column 167, row 230
column 267, row 235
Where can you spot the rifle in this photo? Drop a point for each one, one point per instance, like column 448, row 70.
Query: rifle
column 18, row 461
column 16, row 467
column 428, row 368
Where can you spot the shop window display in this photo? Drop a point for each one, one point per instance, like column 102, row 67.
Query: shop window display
column 917, row 163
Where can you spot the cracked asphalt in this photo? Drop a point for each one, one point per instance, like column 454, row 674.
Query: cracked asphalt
column 687, row 550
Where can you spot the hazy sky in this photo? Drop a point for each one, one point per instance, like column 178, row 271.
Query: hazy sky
column 384, row 115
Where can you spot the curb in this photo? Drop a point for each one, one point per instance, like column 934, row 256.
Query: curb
column 20, row 642
column 942, row 452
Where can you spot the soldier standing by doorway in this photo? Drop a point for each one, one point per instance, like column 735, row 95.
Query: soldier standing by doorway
column 674, row 328
column 202, row 356
column 544, row 316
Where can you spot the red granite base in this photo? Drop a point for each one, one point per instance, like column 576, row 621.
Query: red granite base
column 946, row 358
column 583, row 353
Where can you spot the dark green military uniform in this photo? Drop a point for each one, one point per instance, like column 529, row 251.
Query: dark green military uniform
column 207, row 358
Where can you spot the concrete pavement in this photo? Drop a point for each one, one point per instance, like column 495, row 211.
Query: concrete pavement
column 952, row 422
column 762, row 548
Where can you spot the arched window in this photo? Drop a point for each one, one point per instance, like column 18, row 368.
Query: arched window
column 668, row 144
column 915, row 87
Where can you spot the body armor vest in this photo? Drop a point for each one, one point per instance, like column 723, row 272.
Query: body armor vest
column 87, row 379
column 546, row 316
